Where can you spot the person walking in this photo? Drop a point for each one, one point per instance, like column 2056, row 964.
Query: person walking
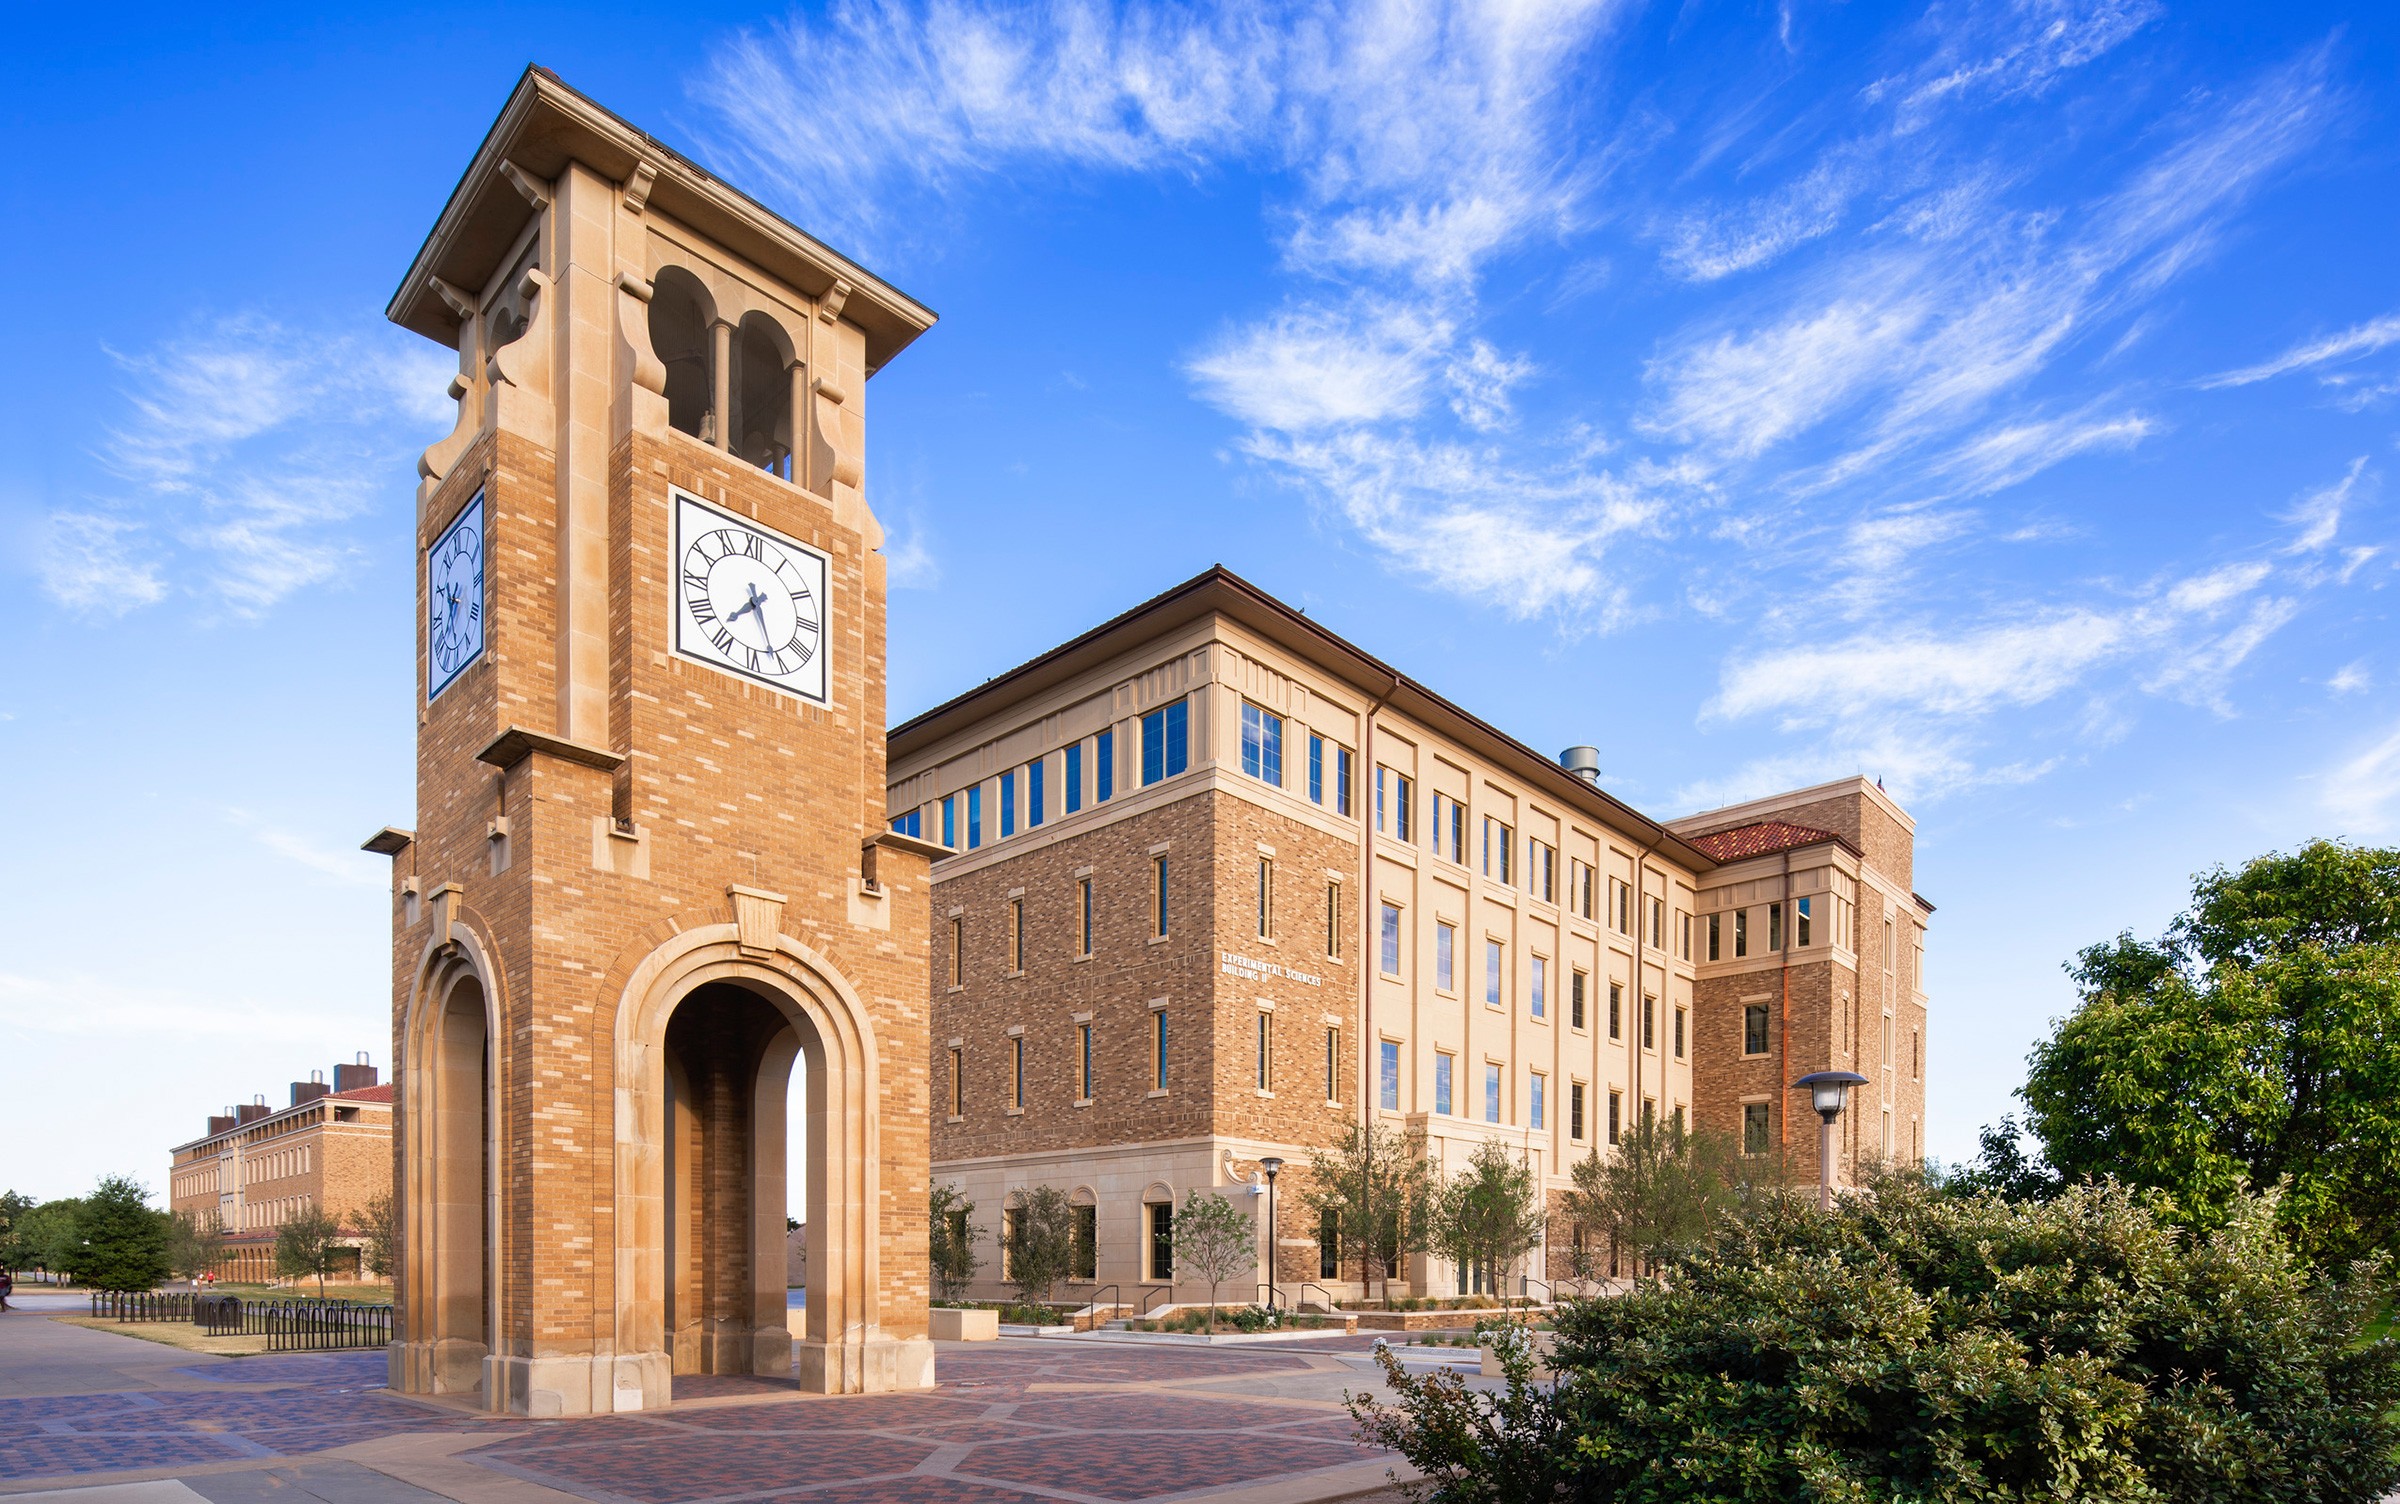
column 8, row 1283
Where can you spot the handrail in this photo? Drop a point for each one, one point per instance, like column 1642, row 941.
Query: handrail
column 1324, row 1295
column 1526, row 1282
column 1115, row 1305
column 1155, row 1297
column 1273, row 1301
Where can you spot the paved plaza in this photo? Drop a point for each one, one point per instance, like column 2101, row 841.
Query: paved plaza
column 107, row 1419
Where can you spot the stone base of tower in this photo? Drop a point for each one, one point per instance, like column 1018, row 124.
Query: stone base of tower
column 446, row 1366
column 879, row 1365
column 545, row 1387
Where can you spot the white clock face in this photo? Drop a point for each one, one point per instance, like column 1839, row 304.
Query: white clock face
column 749, row 600
column 454, row 599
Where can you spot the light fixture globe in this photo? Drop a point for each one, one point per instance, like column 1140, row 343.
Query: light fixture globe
column 1828, row 1090
column 1270, row 1164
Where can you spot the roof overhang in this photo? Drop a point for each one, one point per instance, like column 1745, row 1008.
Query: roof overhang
column 544, row 126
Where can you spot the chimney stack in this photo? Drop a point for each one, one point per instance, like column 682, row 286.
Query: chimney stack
column 311, row 1089
column 1583, row 762
column 252, row 1110
column 356, row 1077
column 217, row 1125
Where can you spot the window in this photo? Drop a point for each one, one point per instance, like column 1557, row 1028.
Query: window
column 1714, row 937
column 1316, row 770
column 1380, row 816
column 1158, row 874
column 1491, row 1092
column 1649, row 1022
column 1083, row 1055
column 1404, row 821
column 1624, row 907
column 1266, row 899
column 1741, row 932
column 1916, row 1055
column 1445, row 950
column 1583, row 890
column 1658, row 924
column 974, row 817
column 1575, row 1111
column 1616, row 1010
column 1083, row 917
column 1087, row 1242
column 1537, row 999
column 1754, row 1029
column 1104, row 767
column 1388, row 1091
column 1537, row 1089
column 1449, row 829
column 1329, row 1244
column 1887, row 1132
column 1333, row 1058
column 1391, row 940
column 1262, row 744
column 1333, row 921
column 1341, row 780
column 1158, row 1049
column 1074, row 788
column 1498, row 849
column 910, row 824
column 1757, row 1127
column 1033, row 791
column 1394, row 816
column 1577, row 985
column 958, row 1082
column 1802, row 914
column 1008, row 803
column 1541, row 871
column 958, row 952
column 1683, row 935
column 1679, row 1033
column 1774, row 928
column 1492, row 961
column 1166, row 742
column 1016, row 935
column 1615, row 1112
column 950, row 821
column 1162, row 1240
column 1443, row 1063
column 1016, row 1066
column 1266, row 1050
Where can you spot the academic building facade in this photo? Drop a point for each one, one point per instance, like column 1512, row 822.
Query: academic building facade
column 1223, row 884
column 258, row 1166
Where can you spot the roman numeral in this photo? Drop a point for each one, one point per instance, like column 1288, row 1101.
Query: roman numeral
column 723, row 639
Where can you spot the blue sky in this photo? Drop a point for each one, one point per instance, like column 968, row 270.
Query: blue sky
column 1997, row 399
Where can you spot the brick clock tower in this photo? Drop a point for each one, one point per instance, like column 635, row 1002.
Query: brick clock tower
column 650, row 875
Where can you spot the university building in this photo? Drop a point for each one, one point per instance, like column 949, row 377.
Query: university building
column 1223, row 884
column 258, row 1166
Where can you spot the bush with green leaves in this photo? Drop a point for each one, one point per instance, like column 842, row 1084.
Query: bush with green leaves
column 1042, row 1242
column 1916, row 1344
column 120, row 1240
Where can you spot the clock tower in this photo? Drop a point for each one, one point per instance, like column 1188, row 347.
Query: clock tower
column 650, row 877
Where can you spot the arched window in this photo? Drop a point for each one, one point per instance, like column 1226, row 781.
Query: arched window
column 680, row 314
column 762, row 395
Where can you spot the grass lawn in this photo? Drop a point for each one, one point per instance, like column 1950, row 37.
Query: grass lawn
column 174, row 1334
column 368, row 1294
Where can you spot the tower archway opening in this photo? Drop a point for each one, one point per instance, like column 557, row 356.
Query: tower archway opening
column 680, row 314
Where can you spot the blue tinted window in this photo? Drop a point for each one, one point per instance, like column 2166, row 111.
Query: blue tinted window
column 1341, row 780
column 1391, row 940
column 1441, row 1083
column 1008, row 803
column 1262, row 745
column 1389, row 1094
column 1166, row 742
column 950, row 824
column 1075, row 778
column 1540, row 1001
column 1491, row 1094
column 1033, row 793
column 1533, row 1102
column 1316, row 770
column 1104, row 767
column 975, row 817
column 910, row 824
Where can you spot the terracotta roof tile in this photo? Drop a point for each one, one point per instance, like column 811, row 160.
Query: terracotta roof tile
column 381, row 1093
column 1760, row 839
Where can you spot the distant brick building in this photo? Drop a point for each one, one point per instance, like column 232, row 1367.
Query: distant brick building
column 1216, row 867
column 258, row 1165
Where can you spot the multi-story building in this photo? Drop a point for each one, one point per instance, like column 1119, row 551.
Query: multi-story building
column 1224, row 884
column 258, row 1165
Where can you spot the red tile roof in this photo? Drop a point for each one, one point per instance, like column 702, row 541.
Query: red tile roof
column 1761, row 839
column 381, row 1093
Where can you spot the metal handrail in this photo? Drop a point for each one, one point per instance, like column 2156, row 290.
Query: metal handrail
column 1117, row 1304
column 1323, row 1295
column 1273, row 1297
column 1526, row 1282
column 1156, row 1297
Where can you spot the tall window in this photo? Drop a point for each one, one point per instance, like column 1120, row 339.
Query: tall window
column 1741, row 932
column 1493, row 961
column 1083, row 1056
column 1615, row 1112
column 1679, row 1033
column 1162, row 1240
column 1449, row 828
column 1774, row 928
column 1577, row 985
column 1388, row 1088
column 1087, row 1242
column 1333, row 1064
column 958, row 951
column 1329, row 1244
column 1616, row 1010
column 1316, row 769
column 1074, row 789
column 1683, row 935
column 1158, row 873
column 1266, row 1049
column 1158, row 1049
column 1016, row 934
column 1583, row 890
column 1333, row 921
column 1443, row 1062
column 1499, row 845
column 1491, row 1092
column 974, row 816
column 1541, row 871
column 1715, row 937
column 1754, row 1029
column 1390, row 934
column 1083, row 917
column 1266, row 899
column 1537, row 1000
column 958, row 1082
column 1008, row 803
column 1016, row 1069
column 1405, row 817
column 1624, row 907
column 1649, row 1022
column 1445, row 947
column 1575, row 1110
column 950, row 821
column 1166, row 742
column 1262, row 744
column 1537, row 1090
column 1757, row 1127
column 1658, row 924
column 1104, row 767
column 1341, row 780
column 1802, row 915
column 1034, row 770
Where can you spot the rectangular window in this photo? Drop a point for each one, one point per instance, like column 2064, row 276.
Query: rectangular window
column 1391, row 940
column 1380, row 817
column 1624, row 907
column 1577, row 986
column 1715, row 937
column 1166, row 742
column 1774, row 928
column 1537, row 1089
column 1266, row 899
column 1016, row 934
column 1083, row 1054
column 1404, row 819
column 1262, row 745
column 1542, row 871
column 1492, row 962
column 1162, row 1240
column 1158, row 1049
column 1329, row 1244
column 1333, row 1065
column 1104, row 767
column 1537, row 999
column 910, row 824
column 1583, row 894
column 1087, row 1242
column 1756, row 1127
column 1575, row 1111
column 1016, row 1066
column 958, row 1082
column 1679, row 1033
column 1801, row 917
column 1083, row 920
column 1658, row 924
column 1074, row 789
column 1616, row 1105
column 974, row 817
column 1491, row 1092
column 1443, row 1062
column 1445, row 959
column 1266, row 1050
column 1034, row 812
column 1683, row 935
column 1741, row 932
column 1616, row 1010
column 1333, row 921
column 1388, row 1091
column 958, row 952
column 1341, row 780
column 1159, row 888
column 950, row 821
column 1316, row 770
column 1008, row 804
column 1754, row 1029
column 1649, row 1022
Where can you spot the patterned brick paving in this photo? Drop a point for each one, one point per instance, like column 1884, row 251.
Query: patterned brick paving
column 662, row 1471
column 1159, row 1464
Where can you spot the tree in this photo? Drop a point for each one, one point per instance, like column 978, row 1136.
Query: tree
column 13, row 1210
column 306, row 1244
column 1379, row 1187
column 1214, row 1240
column 47, row 1238
column 950, row 1240
column 195, row 1243
column 1041, row 1242
column 1666, row 1186
column 379, row 1222
column 1490, row 1214
column 1920, row 1344
column 2256, row 1044
column 120, row 1239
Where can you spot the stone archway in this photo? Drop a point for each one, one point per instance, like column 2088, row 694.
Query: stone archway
column 446, row 1285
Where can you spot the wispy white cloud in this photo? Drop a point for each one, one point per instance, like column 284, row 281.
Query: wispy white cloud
column 346, row 865
column 2364, row 339
column 2351, row 679
column 2013, row 452
column 99, row 565
column 2317, row 517
column 909, row 560
column 79, row 1004
column 2362, row 792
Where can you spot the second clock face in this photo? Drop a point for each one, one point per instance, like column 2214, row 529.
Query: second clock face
column 749, row 600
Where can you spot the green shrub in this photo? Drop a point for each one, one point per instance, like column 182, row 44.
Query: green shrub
column 1914, row 1345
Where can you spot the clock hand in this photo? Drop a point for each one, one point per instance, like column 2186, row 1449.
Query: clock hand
column 754, row 604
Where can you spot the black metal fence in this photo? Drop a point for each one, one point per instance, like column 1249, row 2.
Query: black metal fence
column 290, row 1324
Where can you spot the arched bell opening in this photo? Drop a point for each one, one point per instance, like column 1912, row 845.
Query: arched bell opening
column 681, row 313
column 762, row 395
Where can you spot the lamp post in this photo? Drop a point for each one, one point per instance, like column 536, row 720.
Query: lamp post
column 1827, row 1090
column 1271, row 1165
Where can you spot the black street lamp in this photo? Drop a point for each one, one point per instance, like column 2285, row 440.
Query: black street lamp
column 1271, row 1164
column 1828, row 1090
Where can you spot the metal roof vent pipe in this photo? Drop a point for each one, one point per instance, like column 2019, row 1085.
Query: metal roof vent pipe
column 1583, row 762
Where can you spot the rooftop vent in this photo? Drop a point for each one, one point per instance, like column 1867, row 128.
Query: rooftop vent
column 354, row 1077
column 1583, row 762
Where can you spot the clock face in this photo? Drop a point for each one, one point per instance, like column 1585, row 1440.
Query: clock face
column 454, row 599
column 749, row 600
